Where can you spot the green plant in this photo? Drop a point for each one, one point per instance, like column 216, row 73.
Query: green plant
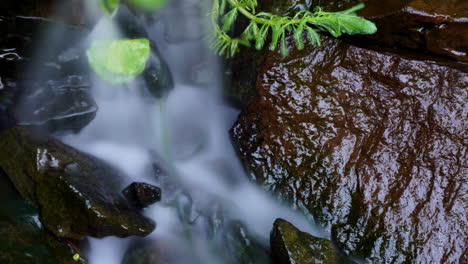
column 264, row 25
column 119, row 61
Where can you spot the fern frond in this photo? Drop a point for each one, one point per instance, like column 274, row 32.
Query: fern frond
column 262, row 23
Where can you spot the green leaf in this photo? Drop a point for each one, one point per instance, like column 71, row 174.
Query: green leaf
column 118, row 61
column 148, row 5
column 277, row 31
column 261, row 37
column 284, row 46
column 110, row 7
column 229, row 19
column 351, row 24
column 298, row 36
column 314, row 38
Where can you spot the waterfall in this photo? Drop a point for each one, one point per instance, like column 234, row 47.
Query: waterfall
column 194, row 123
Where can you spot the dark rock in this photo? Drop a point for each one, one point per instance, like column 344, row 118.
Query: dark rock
column 371, row 142
column 56, row 105
column 286, row 7
column 77, row 194
column 291, row 246
column 22, row 236
column 48, row 89
column 437, row 27
column 21, row 40
column 63, row 11
column 242, row 246
column 142, row 194
column 156, row 252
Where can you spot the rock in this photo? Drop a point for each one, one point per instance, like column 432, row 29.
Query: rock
column 77, row 194
column 371, row 142
column 156, row 252
column 22, row 236
column 71, row 11
column 291, row 246
column 242, row 247
column 53, row 96
column 141, row 194
column 64, row 105
column 437, row 27
column 20, row 43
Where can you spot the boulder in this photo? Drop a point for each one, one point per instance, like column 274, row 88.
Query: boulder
column 76, row 194
column 372, row 142
column 23, row 239
column 291, row 246
column 49, row 89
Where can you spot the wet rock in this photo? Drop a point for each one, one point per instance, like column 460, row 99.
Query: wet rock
column 56, row 105
column 142, row 194
column 240, row 76
column 64, row 105
column 243, row 247
column 23, row 239
column 156, row 252
column 77, row 194
column 64, row 11
column 437, row 27
column 48, row 89
column 286, row 7
column 21, row 40
column 289, row 245
column 371, row 142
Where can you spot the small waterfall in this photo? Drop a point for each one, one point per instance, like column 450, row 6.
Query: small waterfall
column 194, row 123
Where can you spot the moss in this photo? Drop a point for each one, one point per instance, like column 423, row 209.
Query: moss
column 76, row 194
column 290, row 245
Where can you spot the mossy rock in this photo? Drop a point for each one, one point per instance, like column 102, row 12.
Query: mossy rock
column 291, row 246
column 77, row 194
column 23, row 240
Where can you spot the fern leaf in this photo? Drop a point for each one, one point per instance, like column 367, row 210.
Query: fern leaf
column 229, row 19
column 251, row 31
column 277, row 31
column 261, row 37
column 284, row 47
column 298, row 36
column 314, row 38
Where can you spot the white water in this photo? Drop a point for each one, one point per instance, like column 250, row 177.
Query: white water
column 128, row 126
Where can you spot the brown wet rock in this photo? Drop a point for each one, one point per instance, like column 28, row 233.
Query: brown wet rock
column 372, row 143
column 436, row 27
column 289, row 245
column 23, row 239
column 76, row 194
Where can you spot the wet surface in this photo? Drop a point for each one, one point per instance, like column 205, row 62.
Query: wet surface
column 23, row 239
column 77, row 194
column 372, row 143
column 290, row 245
column 54, row 97
column 436, row 27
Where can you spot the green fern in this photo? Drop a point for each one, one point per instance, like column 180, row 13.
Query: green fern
column 263, row 25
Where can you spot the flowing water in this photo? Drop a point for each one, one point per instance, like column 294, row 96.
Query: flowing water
column 187, row 133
